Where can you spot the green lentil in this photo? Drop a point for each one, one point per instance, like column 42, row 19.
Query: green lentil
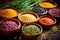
column 31, row 29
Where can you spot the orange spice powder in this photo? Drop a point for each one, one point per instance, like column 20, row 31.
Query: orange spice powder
column 46, row 21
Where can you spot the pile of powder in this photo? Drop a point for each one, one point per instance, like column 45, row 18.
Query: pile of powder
column 8, row 13
column 8, row 25
column 27, row 17
column 46, row 5
column 55, row 12
column 46, row 21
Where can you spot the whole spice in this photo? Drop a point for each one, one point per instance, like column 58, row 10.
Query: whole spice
column 38, row 10
column 31, row 29
column 55, row 12
column 46, row 5
column 8, row 25
column 8, row 13
column 27, row 17
column 46, row 21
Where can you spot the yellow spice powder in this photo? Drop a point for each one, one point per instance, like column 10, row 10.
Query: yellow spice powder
column 8, row 13
column 27, row 17
column 46, row 5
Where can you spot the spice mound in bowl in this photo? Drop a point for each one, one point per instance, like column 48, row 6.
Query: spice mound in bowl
column 9, row 26
column 47, row 4
column 8, row 13
column 55, row 12
column 28, row 17
column 39, row 10
column 31, row 30
column 46, row 21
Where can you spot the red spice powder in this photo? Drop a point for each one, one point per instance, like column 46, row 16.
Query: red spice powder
column 46, row 21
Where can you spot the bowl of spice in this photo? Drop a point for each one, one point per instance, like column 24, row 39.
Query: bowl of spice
column 55, row 12
column 32, row 30
column 39, row 10
column 8, row 13
column 28, row 17
column 9, row 27
column 47, row 21
column 47, row 4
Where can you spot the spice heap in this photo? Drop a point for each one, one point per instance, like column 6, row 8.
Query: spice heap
column 46, row 5
column 55, row 12
column 8, row 25
column 46, row 21
column 8, row 13
column 38, row 10
column 31, row 29
column 27, row 17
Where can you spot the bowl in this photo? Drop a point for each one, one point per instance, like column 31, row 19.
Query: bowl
column 47, row 26
column 55, row 12
column 32, row 36
column 10, row 32
column 32, row 13
column 39, row 13
column 55, row 5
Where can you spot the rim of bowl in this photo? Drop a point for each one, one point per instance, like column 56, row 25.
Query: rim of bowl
column 37, row 17
column 19, row 24
column 55, row 4
column 48, row 17
column 33, row 34
column 40, row 13
column 52, row 15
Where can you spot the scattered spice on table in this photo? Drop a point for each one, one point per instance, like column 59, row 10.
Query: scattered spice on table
column 9, row 25
column 54, row 12
column 46, row 5
column 31, row 29
column 38, row 10
column 8, row 13
column 27, row 17
column 46, row 21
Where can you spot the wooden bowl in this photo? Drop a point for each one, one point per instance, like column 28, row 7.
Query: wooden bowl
column 32, row 36
column 55, row 5
column 45, row 26
column 11, row 32
column 37, row 17
column 56, row 14
column 39, row 13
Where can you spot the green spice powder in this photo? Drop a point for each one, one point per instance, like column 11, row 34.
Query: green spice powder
column 31, row 29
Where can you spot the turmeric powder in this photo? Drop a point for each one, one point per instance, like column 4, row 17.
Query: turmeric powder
column 46, row 5
column 8, row 13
